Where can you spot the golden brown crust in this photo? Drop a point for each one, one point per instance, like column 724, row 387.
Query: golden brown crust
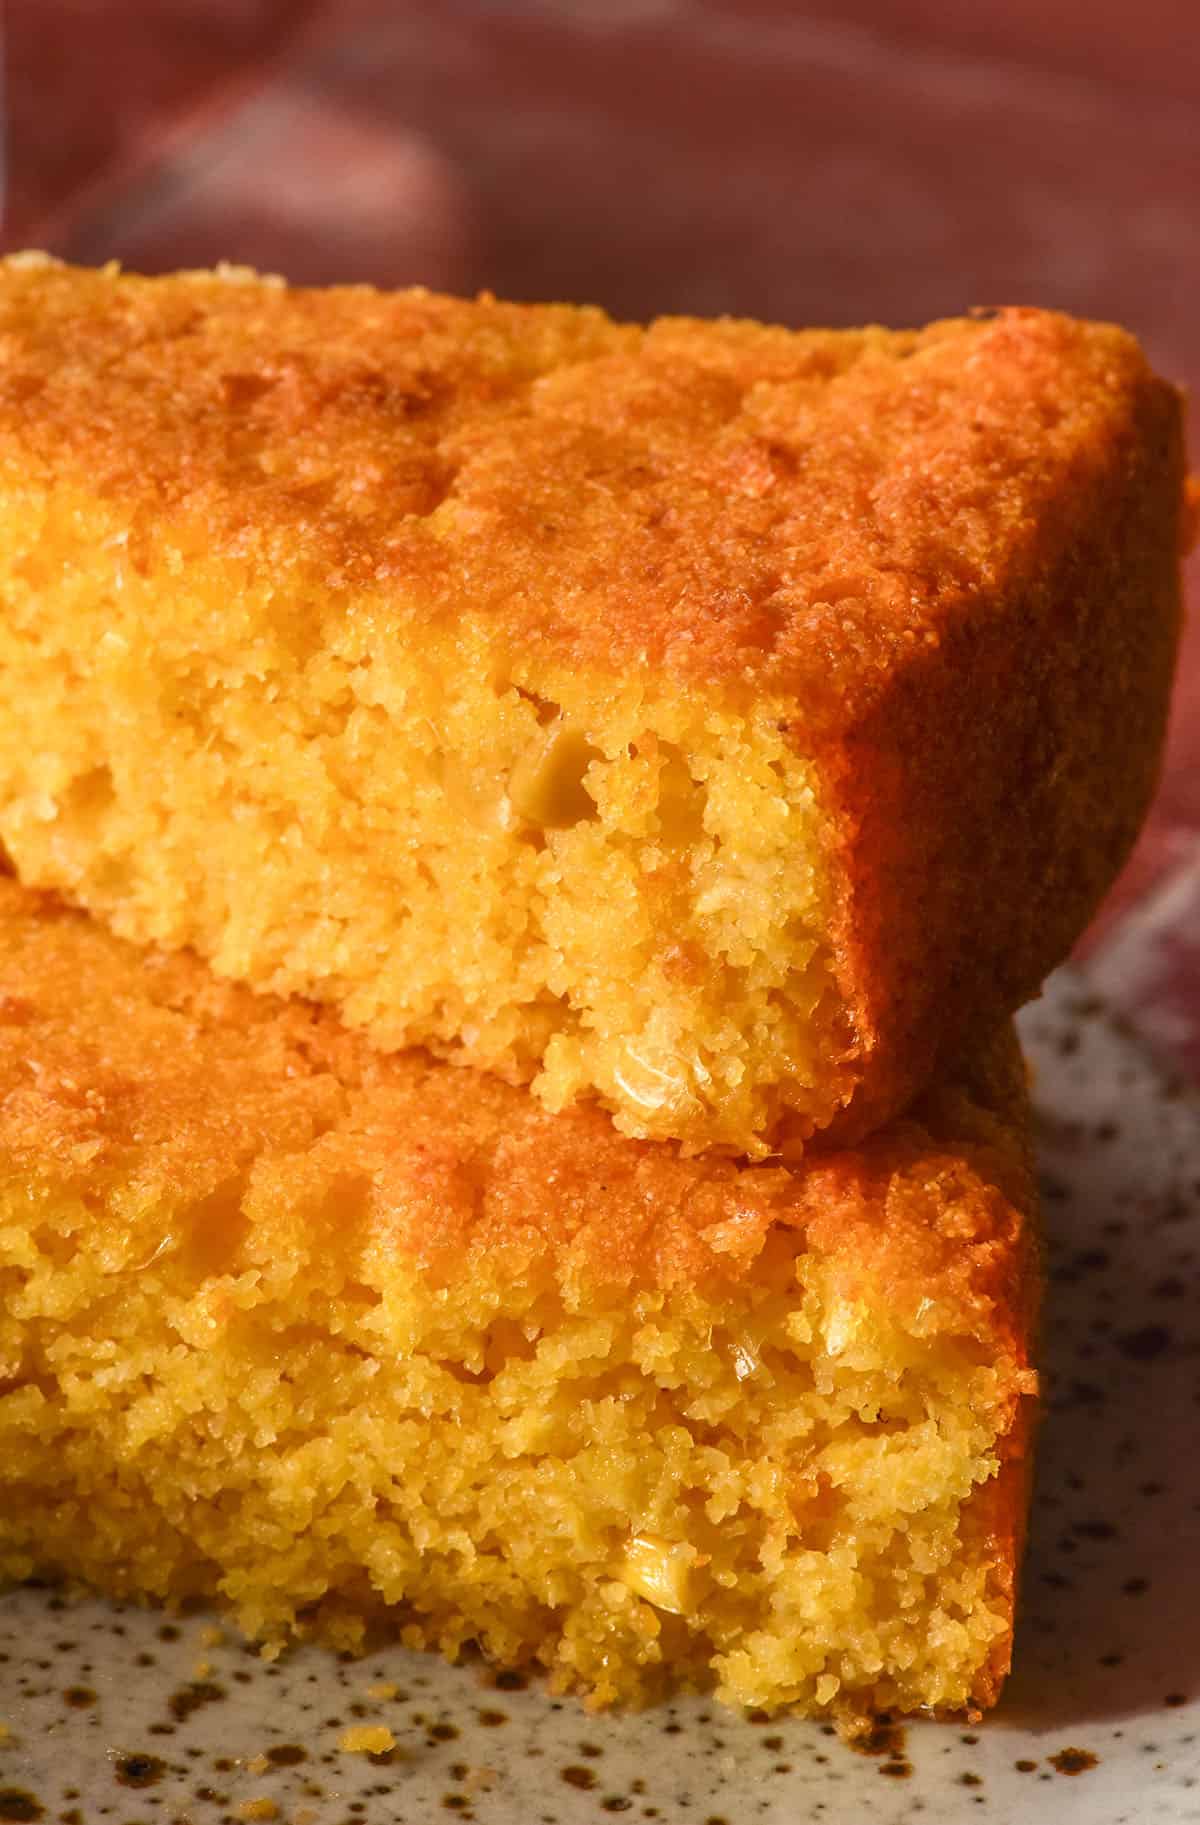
column 1002, row 1512
column 985, row 804
column 120, row 1067
column 809, row 512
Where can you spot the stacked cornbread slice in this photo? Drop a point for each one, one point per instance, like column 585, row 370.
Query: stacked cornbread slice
column 722, row 723
column 318, row 1330
column 697, row 740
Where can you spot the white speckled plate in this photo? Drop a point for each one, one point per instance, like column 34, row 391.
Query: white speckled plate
column 117, row 1714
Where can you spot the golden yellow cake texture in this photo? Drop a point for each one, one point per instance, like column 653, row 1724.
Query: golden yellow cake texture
column 717, row 721
column 346, row 1341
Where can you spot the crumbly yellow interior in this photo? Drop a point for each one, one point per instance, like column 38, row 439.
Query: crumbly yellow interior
column 569, row 880
column 782, row 1492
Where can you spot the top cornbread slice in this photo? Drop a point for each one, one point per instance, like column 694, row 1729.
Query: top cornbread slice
column 723, row 722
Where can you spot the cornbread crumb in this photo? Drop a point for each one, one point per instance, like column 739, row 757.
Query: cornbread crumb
column 264, row 1808
column 367, row 1739
column 349, row 1342
column 385, row 1688
column 720, row 722
column 211, row 1636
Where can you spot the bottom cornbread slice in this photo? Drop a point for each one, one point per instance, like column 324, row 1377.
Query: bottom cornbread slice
column 337, row 1340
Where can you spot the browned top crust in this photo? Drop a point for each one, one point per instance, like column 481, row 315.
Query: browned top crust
column 801, row 511
column 141, row 1085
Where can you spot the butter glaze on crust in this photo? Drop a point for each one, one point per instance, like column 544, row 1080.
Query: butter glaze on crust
column 941, row 565
column 643, row 1419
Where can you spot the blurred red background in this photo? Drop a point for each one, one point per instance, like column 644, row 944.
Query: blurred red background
column 824, row 161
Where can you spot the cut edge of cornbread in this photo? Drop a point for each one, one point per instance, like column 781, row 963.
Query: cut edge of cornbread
column 337, row 1340
column 638, row 913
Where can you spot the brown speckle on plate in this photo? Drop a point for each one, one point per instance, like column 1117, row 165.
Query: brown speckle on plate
column 18, row 1803
column 139, row 1770
column 1074, row 1761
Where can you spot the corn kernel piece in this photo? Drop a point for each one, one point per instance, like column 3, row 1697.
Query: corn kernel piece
column 660, row 1571
column 367, row 1739
column 546, row 785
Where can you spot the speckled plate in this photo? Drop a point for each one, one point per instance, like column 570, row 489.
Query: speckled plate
column 122, row 1715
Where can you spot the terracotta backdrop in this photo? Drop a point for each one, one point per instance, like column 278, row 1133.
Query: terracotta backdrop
column 825, row 161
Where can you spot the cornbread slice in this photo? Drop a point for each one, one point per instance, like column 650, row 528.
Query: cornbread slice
column 341, row 1338
column 721, row 722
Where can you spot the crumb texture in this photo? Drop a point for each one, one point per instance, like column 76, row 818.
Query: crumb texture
column 343, row 1341
column 591, row 703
